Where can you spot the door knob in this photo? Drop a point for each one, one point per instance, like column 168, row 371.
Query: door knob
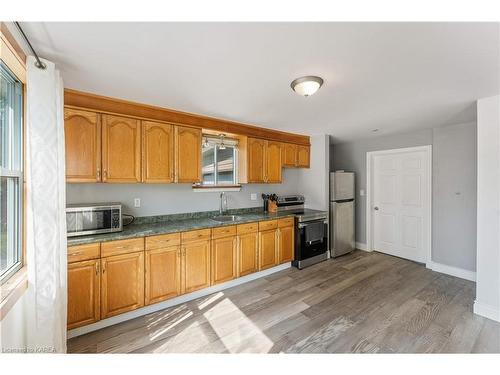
column 375, row 208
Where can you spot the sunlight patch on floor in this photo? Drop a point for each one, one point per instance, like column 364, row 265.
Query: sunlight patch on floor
column 235, row 330
column 160, row 332
column 188, row 340
column 210, row 300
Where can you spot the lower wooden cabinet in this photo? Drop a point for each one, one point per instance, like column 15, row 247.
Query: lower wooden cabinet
column 223, row 259
column 122, row 283
column 268, row 249
column 248, row 253
column 285, row 244
column 195, row 266
column 163, row 274
column 83, row 293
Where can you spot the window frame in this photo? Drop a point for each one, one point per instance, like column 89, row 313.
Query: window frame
column 16, row 173
column 216, row 184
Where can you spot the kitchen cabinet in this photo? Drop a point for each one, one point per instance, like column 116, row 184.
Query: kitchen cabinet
column 264, row 161
column 157, row 152
column 286, row 249
column 121, row 149
column 223, row 259
column 187, row 154
column 248, row 252
column 273, row 162
column 268, row 244
column 83, row 293
column 303, row 156
column 122, row 283
column 195, row 266
column 163, row 274
column 256, row 159
column 289, row 151
column 82, row 133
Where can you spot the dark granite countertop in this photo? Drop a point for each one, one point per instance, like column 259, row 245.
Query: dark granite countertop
column 150, row 226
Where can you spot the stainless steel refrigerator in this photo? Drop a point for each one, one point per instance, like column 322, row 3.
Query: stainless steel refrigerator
column 341, row 213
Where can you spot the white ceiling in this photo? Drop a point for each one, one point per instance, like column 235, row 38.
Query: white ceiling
column 392, row 76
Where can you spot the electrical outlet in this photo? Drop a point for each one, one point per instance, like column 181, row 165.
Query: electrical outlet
column 137, row 202
column 253, row 196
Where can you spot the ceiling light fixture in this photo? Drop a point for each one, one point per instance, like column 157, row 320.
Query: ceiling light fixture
column 307, row 85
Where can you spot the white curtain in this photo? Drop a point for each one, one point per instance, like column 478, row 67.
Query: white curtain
column 46, row 201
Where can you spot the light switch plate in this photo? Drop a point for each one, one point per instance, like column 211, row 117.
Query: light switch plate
column 253, row 196
column 137, row 202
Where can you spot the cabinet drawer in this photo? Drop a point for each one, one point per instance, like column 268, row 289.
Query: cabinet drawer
column 269, row 224
column 122, row 247
column 195, row 235
column 84, row 252
column 286, row 222
column 226, row 231
column 248, row 228
column 162, row 241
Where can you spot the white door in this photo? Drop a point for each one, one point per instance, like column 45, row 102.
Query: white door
column 401, row 203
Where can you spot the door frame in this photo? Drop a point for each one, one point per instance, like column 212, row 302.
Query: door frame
column 369, row 190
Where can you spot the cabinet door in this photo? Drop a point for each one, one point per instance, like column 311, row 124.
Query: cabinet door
column 273, row 162
column 303, row 156
column 268, row 249
column 289, row 154
column 223, row 259
column 82, row 133
column 195, row 266
column 248, row 253
column 83, row 293
column 256, row 155
column 158, row 152
column 122, row 283
column 188, row 154
column 121, row 149
column 286, row 245
column 163, row 274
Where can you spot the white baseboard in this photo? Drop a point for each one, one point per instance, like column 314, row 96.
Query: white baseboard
column 452, row 271
column 487, row 311
column 174, row 301
column 362, row 246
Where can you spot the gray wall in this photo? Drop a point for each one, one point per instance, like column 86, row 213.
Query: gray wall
column 159, row 199
column 453, row 186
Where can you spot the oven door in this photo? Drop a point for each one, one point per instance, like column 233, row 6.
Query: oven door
column 311, row 239
column 88, row 221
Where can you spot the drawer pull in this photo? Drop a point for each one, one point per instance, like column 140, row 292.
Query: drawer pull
column 76, row 253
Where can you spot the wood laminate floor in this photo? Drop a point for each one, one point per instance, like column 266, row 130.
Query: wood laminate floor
column 362, row 302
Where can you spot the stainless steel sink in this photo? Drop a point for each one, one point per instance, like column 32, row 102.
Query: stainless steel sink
column 227, row 218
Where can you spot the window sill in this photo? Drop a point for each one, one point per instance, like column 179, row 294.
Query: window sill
column 215, row 189
column 12, row 290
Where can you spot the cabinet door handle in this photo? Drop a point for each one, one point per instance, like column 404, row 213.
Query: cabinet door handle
column 98, row 174
column 97, row 268
column 103, row 267
column 105, row 173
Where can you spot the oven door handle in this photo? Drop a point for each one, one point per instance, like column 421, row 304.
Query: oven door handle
column 304, row 224
column 314, row 242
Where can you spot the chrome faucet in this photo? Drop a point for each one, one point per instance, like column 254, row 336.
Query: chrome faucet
column 223, row 203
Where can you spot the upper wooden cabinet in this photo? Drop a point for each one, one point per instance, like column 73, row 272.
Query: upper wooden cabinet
column 82, row 132
column 256, row 150
column 264, row 161
column 289, row 153
column 187, row 154
column 158, row 152
column 273, row 162
column 83, row 293
column 122, row 283
column 121, row 149
column 303, row 156
column 296, row 155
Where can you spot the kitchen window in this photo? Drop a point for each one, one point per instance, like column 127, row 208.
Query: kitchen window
column 11, row 177
column 219, row 165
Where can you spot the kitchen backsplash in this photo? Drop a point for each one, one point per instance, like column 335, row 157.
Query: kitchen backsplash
column 164, row 199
